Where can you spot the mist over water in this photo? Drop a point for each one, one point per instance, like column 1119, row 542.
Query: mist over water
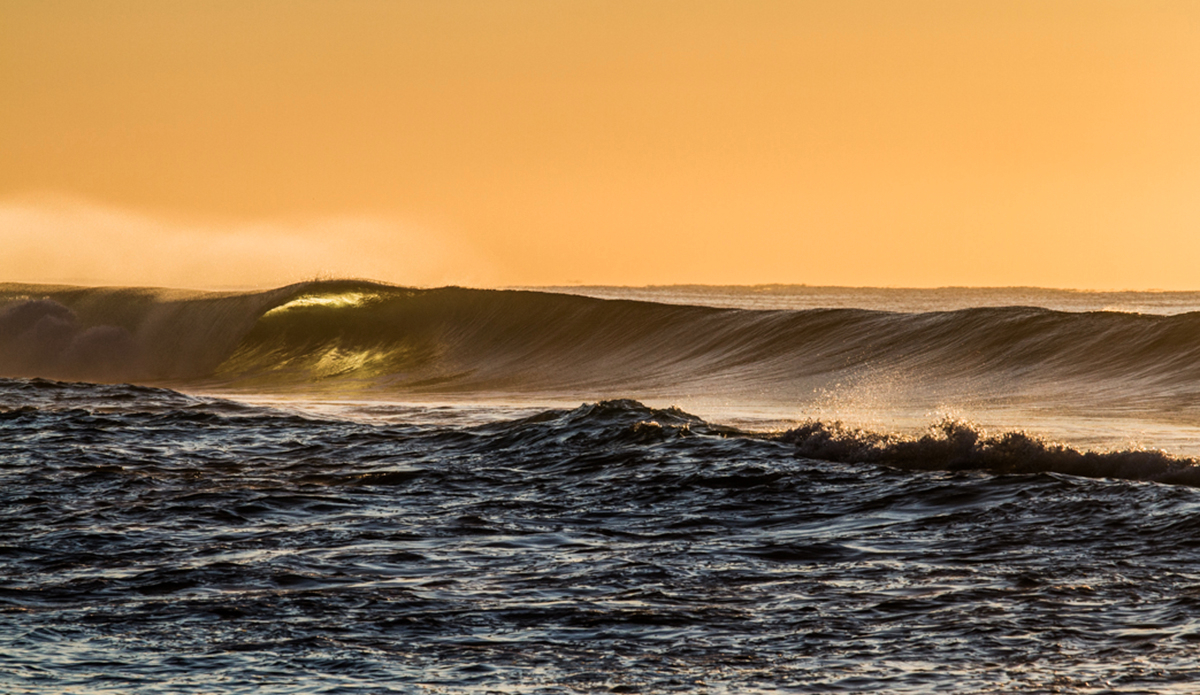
column 67, row 240
column 354, row 487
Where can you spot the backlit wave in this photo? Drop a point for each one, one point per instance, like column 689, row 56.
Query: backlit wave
column 362, row 335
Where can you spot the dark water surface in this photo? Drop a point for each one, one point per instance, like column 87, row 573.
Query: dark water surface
column 152, row 541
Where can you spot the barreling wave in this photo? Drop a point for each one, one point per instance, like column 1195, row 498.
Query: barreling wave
column 374, row 336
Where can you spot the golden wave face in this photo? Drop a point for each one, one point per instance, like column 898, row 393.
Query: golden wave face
column 351, row 336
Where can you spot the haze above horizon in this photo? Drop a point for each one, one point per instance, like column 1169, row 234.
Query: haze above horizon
column 927, row 143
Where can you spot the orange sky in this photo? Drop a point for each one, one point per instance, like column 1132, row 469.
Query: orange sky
column 903, row 143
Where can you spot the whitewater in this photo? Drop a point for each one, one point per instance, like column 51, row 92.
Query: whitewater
column 352, row 487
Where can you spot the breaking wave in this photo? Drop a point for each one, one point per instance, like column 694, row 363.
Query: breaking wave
column 374, row 336
column 602, row 433
column 954, row 445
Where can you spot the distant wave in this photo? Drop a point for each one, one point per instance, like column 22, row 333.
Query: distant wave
column 374, row 336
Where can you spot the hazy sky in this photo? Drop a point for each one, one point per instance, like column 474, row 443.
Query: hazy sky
column 906, row 142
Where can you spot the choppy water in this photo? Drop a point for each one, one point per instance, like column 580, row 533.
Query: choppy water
column 352, row 488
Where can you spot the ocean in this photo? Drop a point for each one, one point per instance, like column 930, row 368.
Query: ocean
column 351, row 487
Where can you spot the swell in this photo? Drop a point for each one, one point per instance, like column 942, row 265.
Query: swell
column 373, row 336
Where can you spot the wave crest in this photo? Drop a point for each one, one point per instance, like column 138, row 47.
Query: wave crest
column 955, row 445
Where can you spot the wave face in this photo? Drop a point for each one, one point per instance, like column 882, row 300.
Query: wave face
column 345, row 334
